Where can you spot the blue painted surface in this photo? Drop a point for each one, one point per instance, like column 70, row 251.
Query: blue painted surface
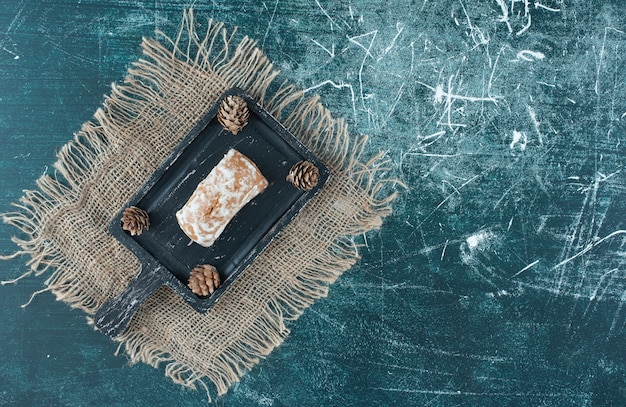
column 499, row 280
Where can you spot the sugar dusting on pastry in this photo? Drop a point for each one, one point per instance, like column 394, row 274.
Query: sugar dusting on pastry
column 230, row 185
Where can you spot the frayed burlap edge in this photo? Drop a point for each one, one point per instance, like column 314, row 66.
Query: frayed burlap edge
column 64, row 220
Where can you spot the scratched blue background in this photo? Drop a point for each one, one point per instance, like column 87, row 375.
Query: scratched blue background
column 500, row 279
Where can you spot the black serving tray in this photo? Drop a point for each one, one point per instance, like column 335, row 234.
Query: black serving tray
column 166, row 253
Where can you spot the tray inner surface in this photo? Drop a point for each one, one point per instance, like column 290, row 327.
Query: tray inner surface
column 167, row 243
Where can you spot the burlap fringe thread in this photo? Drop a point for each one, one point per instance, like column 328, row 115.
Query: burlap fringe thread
column 165, row 93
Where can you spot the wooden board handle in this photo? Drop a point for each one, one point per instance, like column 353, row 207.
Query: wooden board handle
column 115, row 315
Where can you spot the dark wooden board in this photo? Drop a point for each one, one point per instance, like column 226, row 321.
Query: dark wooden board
column 166, row 248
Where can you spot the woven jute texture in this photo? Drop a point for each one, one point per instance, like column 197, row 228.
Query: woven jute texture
column 64, row 221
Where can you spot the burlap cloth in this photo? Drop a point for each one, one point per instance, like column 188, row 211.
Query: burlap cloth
column 165, row 93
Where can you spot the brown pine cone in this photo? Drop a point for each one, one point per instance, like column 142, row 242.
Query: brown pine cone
column 204, row 280
column 304, row 175
column 233, row 113
column 135, row 220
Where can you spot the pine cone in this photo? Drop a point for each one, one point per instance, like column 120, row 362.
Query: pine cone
column 304, row 175
column 204, row 280
column 135, row 220
column 233, row 113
